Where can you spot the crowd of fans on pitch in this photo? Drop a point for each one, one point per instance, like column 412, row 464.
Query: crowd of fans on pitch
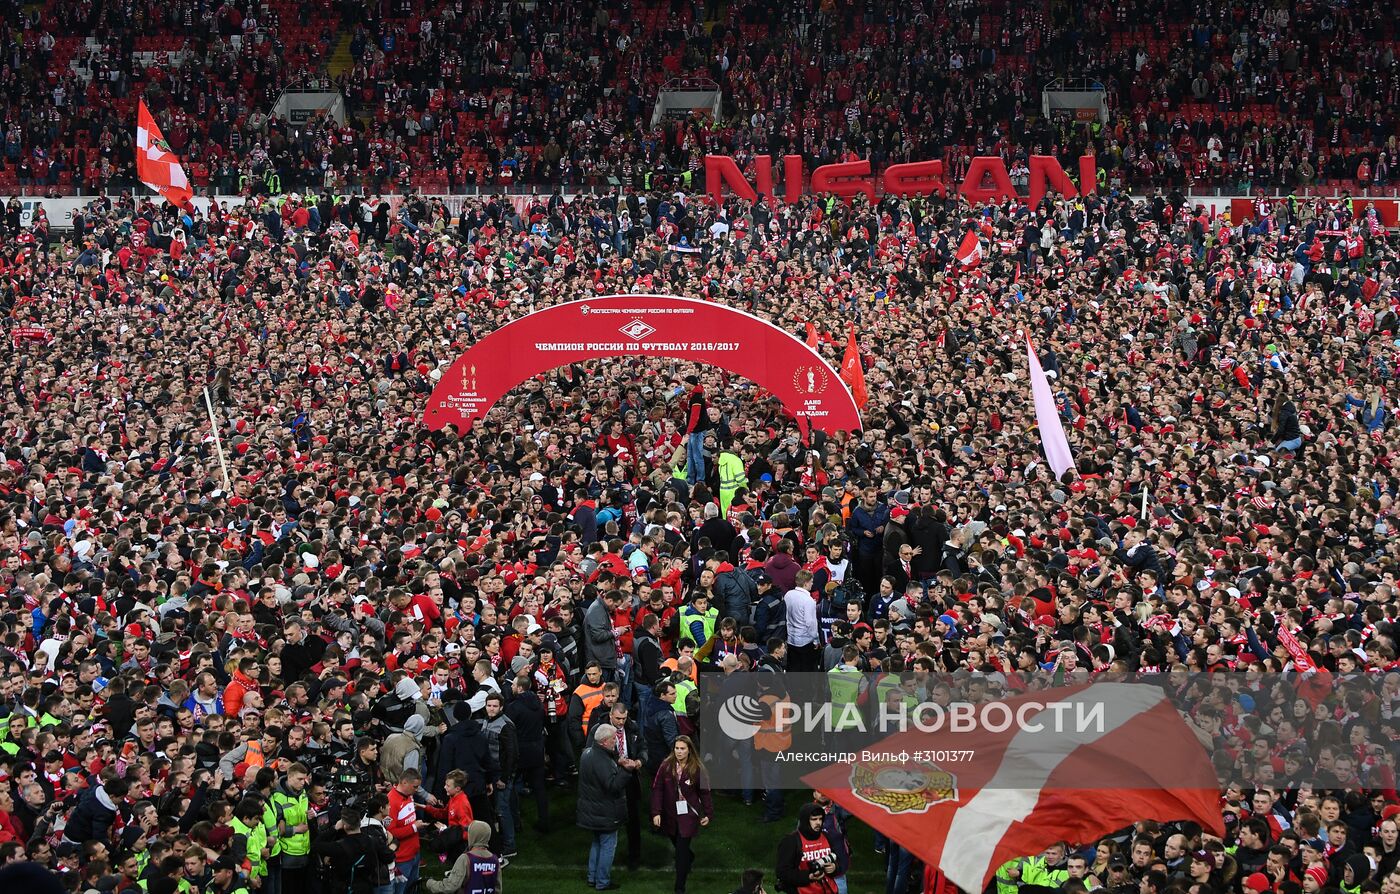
column 1275, row 95
column 368, row 637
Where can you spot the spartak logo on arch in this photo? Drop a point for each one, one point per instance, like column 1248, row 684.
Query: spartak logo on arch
column 637, row 330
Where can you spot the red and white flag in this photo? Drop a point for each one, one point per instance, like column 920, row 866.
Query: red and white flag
column 1302, row 661
column 21, row 334
column 967, row 802
column 970, row 251
column 156, row 165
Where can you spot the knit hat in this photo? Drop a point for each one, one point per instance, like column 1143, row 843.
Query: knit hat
column 1318, row 873
column 1257, row 882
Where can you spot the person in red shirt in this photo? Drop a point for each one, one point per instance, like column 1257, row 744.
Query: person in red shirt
column 617, row 442
column 241, row 684
column 453, row 840
column 404, row 826
column 655, row 604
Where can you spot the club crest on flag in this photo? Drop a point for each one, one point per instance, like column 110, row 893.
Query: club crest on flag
column 902, row 786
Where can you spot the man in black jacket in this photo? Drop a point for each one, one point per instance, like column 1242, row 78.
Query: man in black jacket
column 646, row 662
column 352, row 860
column 602, row 802
column 717, row 530
column 527, row 713
column 96, row 811
column 630, row 744
column 807, row 856
column 928, row 532
column 505, row 750
column 734, row 589
column 465, row 747
column 300, row 652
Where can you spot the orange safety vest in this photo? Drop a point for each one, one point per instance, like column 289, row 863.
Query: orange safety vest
column 672, row 665
column 847, row 504
column 254, row 757
column 592, row 697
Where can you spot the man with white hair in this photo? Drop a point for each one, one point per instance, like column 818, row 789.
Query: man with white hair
column 602, row 801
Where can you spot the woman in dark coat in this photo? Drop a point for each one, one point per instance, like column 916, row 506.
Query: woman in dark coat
column 680, row 802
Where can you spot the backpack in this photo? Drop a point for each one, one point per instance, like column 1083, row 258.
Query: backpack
column 354, row 868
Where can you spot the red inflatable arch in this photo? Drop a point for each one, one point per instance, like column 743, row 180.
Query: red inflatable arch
column 643, row 326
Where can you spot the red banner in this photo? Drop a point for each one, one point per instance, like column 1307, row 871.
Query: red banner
column 29, row 333
column 1302, row 661
column 643, row 326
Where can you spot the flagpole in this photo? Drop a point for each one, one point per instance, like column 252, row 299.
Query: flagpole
column 1144, row 501
column 218, row 442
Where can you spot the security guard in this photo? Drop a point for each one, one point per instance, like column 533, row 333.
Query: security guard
column 247, row 824
column 587, row 695
column 697, row 623
column 1048, row 869
column 292, row 808
column 731, row 477
column 844, row 680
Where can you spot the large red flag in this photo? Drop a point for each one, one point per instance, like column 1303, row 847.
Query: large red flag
column 851, row 372
column 970, row 251
column 966, row 802
column 811, row 335
column 156, row 165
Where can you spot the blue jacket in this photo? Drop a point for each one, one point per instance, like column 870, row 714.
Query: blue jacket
column 863, row 520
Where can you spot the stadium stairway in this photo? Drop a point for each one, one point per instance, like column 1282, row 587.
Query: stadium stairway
column 340, row 61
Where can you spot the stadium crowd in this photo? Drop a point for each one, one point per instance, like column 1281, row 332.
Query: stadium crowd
column 1259, row 94
column 371, row 641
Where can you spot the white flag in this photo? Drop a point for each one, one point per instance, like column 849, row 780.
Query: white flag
column 1047, row 417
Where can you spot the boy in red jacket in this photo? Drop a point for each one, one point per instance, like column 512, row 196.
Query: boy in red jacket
column 453, row 840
